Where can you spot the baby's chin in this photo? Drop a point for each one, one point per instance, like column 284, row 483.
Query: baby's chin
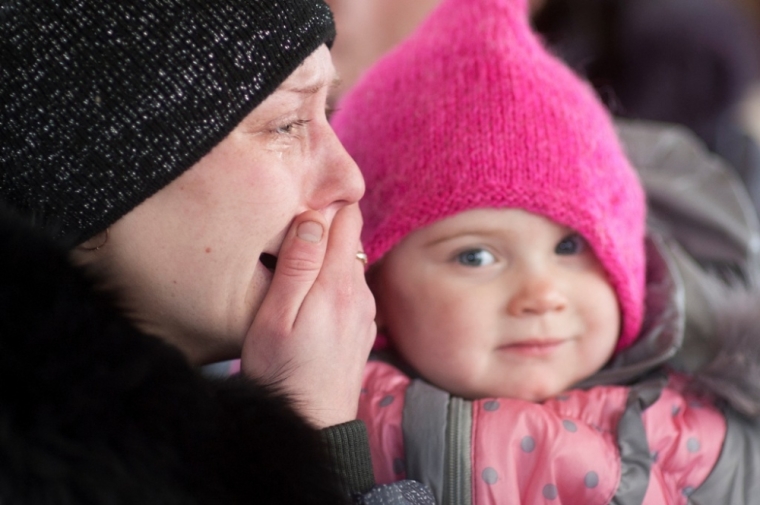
column 529, row 383
column 534, row 393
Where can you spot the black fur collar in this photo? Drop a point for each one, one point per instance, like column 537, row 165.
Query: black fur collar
column 93, row 411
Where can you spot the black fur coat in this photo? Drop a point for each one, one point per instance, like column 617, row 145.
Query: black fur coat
column 93, row 411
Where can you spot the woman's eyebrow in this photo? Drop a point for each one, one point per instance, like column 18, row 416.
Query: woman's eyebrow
column 314, row 88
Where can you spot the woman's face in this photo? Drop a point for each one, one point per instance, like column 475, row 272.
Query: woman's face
column 188, row 259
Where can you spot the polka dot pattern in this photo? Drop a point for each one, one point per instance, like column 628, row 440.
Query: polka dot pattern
column 490, row 476
column 591, row 480
column 528, row 444
column 587, row 472
column 562, row 450
column 549, row 491
column 491, row 406
column 570, row 426
column 387, row 400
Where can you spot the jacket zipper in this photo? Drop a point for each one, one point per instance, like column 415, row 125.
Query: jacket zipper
column 458, row 472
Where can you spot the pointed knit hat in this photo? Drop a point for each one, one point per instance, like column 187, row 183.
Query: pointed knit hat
column 472, row 112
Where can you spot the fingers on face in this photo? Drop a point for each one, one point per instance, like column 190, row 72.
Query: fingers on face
column 321, row 273
column 299, row 263
column 343, row 266
column 344, row 242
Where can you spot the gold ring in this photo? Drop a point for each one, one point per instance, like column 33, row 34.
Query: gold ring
column 361, row 257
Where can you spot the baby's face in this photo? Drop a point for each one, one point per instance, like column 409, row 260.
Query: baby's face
column 498, row 302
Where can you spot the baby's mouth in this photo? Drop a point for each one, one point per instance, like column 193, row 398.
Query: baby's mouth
column 269, row 261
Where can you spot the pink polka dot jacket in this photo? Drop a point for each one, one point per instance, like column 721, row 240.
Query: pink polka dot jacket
column 671, row 420
column 584, row 447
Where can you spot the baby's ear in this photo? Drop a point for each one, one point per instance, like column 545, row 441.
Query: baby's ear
column 373, row 281
column 380, row 320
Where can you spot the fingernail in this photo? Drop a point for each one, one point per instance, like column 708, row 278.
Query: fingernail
column 310, row 231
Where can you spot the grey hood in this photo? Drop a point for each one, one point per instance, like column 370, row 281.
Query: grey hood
column 703, row 251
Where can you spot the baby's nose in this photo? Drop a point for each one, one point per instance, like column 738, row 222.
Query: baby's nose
column 536, row 296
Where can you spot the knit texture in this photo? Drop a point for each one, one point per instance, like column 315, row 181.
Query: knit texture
column 472, row 112
column 348, row 450
column 103, row 103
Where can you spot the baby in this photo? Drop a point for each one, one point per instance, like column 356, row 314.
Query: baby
column 505, row 232
column 503, row 222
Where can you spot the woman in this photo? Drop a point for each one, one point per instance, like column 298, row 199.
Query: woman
column 181, row 153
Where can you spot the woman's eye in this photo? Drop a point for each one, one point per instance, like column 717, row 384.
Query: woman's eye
column 572, row 244
column 475, row 258
column 292, row 127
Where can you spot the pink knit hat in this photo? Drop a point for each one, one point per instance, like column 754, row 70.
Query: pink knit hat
column 470, row 112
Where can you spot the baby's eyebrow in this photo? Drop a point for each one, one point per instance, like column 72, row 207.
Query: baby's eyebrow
column 474, row 234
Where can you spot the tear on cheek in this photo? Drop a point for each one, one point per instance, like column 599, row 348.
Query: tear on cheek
column 269, row 261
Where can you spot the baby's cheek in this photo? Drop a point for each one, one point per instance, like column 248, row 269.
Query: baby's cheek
column 463, row 371
column 597, row 349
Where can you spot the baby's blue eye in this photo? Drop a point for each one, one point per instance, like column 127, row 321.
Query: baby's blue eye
column 572, row 244
column 475, row 258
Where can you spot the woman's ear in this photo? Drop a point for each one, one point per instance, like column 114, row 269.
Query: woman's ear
column 88, row 252
column 95, row 243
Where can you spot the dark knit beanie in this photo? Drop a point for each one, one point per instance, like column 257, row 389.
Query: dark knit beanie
column 103, row 103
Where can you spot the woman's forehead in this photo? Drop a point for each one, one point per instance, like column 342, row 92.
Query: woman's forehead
column 316, row 72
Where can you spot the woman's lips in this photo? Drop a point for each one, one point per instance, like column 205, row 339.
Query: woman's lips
column 533, row 347
column 269, row 261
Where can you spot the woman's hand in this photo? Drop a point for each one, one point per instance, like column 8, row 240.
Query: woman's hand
column 315, row 328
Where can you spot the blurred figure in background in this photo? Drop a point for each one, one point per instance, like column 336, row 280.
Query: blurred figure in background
column 752, row 9
column 691, row 62
column 369, row 28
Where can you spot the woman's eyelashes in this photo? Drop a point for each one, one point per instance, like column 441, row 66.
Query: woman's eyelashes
column 571, row 245
column 291, row 128
column 476, row 257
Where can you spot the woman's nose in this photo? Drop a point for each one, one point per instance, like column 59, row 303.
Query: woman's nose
column 340, row 181
column 536, row 295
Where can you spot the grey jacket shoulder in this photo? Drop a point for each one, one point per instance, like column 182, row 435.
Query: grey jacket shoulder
column 693, row 195
column 703, row 266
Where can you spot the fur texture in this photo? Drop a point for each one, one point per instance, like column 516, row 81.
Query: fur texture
column 93, row 411
column 733, row 374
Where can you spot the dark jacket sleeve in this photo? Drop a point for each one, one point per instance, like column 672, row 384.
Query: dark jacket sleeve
column 348, row 450
column 348, row 447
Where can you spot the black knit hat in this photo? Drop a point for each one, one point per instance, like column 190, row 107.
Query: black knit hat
column 104, row 102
